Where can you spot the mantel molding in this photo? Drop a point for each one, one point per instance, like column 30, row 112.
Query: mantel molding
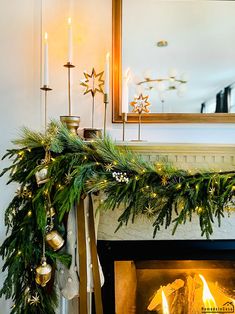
column 211, row 157
column 203, row 156
column 179, row 147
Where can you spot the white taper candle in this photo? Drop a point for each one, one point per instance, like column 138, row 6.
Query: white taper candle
column 70, row 40
column 125, row 92
column 106, row 75
column 46, row 70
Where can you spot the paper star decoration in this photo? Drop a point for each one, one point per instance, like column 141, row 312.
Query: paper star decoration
column 93, row 82
column 140, row 104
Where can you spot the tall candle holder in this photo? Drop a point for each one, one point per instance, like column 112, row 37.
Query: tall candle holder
column 140, row 105
column 72, row 122
column 124, row 120
column 46, row 89
column 69, row 66
column 106, row 101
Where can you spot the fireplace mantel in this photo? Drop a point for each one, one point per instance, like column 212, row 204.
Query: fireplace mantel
column 214, row 157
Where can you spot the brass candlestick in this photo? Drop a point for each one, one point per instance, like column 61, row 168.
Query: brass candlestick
column 139, row 126
column 46, row 89
column 72, row 122
column 69, row 65
column 124, row 119
column 106, row 101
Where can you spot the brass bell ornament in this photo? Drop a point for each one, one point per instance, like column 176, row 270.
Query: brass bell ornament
column 43, row 273
column 54, row 240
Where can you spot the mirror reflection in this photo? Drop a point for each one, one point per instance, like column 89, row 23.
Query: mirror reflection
column 181, row 54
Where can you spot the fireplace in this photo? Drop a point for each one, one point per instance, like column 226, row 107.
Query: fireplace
column 168, row 276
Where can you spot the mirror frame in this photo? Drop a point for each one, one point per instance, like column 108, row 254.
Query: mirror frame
column 117, row 86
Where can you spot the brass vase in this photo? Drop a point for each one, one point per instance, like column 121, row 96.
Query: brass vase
column 91, row 133
column 54, row 240
column 72, row 122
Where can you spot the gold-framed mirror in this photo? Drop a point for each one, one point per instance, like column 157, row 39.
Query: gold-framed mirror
column 169, row 116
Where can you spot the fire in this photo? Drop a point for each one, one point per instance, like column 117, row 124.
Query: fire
column 207, row 297
column 165, row 308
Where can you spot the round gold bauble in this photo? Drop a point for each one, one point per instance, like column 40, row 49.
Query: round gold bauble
column 54, row 240
column 43, row 274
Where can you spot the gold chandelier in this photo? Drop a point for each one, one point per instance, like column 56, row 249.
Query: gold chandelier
column 172, row 82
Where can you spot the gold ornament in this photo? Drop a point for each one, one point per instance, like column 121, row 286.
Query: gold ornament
column 41, row 176
column 164, row 180
column 24, row 192
column 149, row 210
column 54, row 240
column 51, row 212
column 109, row 167
column 140, row 104
column 93, row 82
column 34, row 300
column 43, row 273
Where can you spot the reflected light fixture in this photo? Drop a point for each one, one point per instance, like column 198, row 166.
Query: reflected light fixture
column 172, row 82
column 162, row 43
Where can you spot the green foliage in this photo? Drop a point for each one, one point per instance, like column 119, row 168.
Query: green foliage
column 75, row 168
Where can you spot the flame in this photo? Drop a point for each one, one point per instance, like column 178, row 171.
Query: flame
column 165, row 308
column 107, row 55
column 69, row 20
column 207, row 297
column 46, row 36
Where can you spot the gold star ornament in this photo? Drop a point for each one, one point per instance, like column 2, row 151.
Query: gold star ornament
column 93, row 82
column 140, row 104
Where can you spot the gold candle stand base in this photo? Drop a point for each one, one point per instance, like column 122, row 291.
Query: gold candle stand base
column 90, row 133
column 72, row 122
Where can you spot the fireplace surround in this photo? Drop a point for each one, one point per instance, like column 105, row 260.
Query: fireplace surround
column 216, row 257
column 133, row 243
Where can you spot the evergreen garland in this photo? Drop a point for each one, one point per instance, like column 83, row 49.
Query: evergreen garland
column 158, row 191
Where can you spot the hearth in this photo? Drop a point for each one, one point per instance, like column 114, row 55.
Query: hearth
column 168, row 277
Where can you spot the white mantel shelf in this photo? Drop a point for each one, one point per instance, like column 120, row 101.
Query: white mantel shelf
column 212, row 157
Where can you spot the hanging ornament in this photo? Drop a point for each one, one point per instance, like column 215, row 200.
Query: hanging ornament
column 42, row 174
column 54, row 240
column 43, row 273
column 34, row 300
column 51, row 212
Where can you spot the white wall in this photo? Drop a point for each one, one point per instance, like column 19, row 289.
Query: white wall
column 20, row 77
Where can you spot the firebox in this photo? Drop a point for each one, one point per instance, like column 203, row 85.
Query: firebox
column 168, row 277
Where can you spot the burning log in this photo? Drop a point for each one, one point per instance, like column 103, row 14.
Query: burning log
column 168, row 290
